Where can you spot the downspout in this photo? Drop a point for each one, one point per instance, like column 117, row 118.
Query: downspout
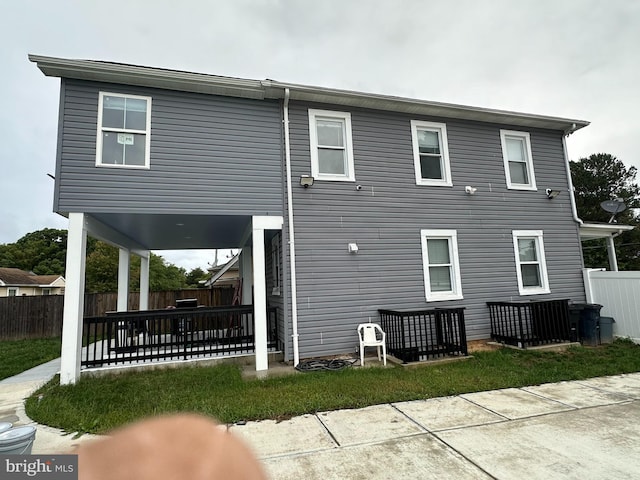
column 292, row 246
column 567, row 166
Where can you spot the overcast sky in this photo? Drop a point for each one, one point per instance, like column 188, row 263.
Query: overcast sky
column 572, row 58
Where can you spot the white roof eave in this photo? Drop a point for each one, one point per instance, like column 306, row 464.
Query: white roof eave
column 592, row 231
column 270, row 89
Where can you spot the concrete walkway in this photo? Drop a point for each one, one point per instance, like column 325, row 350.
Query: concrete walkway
column 570, row 430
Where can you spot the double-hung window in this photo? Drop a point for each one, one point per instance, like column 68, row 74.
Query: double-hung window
column 531, row 267
column 331, row 145
column 124, row 130
column 518, row 162
column 430, row 153
column 12, row 291
column 441, row 265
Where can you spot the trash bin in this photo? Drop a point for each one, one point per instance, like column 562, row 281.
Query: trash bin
column 17, row 441
column 588, row 322
column 606, row 329
column 4, row 426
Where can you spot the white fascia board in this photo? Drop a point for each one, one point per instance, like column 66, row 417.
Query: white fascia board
column 421, row 107
column 591, row 231
column 112, row 72
column 148, row 77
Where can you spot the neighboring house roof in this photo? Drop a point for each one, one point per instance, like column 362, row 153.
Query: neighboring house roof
column 17, row 277
column 270, row 89
column 228, row 266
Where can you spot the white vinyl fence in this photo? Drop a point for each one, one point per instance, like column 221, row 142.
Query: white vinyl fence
column 619, row 295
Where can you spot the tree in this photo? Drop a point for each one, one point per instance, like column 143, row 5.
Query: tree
column 102, row 271
column 194, row 276
column 601, row 177
column 42, row 252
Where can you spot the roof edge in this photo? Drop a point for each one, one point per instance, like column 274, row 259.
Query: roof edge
column 259, row 89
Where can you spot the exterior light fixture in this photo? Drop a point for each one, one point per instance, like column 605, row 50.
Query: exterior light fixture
column 353, row 248
column 551, row 194
column 306, row 181
column 469, row 190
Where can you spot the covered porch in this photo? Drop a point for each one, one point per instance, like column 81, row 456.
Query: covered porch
column 609, row 231
column 193, row 332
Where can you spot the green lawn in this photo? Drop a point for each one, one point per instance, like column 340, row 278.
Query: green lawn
column 19, row 355
column 99, row 404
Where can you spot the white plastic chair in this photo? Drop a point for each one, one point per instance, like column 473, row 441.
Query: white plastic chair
column 371, row 335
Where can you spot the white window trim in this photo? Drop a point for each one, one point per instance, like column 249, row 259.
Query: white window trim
column 147, row 132
column 313, row 142
column 456, row 283
column 441, row 128
column 17, row 290
column 276, row 259
column 527, row 140
column 544, row 278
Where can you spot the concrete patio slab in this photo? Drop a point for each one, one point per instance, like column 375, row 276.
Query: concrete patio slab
column 370, row 424
column 514, row 403
column 601, row 442
column 299, row 434
column 416, row 457
column 447, row 412
column 577, row 395
column 628, row 384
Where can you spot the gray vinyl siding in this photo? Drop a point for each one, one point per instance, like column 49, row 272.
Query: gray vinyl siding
column 338, row 290
column 208, row 154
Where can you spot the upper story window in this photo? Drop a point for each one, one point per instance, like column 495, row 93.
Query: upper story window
column 518, row 162
column 331, row 146
column 441, row 265
column 431, row 153
column 531, row 266
column 124, row 127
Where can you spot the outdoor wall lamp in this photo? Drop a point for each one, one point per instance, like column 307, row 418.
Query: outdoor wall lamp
column 306, row 181
column 551, row 194
column 469, row 190
column 353, row 248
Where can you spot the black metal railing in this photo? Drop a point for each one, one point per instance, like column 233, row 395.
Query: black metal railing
column 173, row 334
column 530, row 323
column 424, row 334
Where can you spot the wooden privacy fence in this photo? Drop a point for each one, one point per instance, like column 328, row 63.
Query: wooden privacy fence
column 41, row 316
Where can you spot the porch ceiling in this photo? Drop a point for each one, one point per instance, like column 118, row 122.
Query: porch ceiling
column 178, row 231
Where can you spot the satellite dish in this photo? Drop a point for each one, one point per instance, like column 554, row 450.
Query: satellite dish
column 614, row 207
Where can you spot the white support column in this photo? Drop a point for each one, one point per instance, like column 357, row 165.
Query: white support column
column 611, row 250
column 260, row 300
column 258, row 225
column 144, row 282
column 123, row 280
column 246, row 271
column 73, row 300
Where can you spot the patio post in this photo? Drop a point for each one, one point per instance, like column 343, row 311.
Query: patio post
column 258, row 225
column 144, row 282
column 73, row 300
column 259, row 300
column 611, row 251
column 123, row 279
column 247, row 275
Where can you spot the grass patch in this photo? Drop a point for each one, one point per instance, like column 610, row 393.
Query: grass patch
column 99, row 404
column 19, row 355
